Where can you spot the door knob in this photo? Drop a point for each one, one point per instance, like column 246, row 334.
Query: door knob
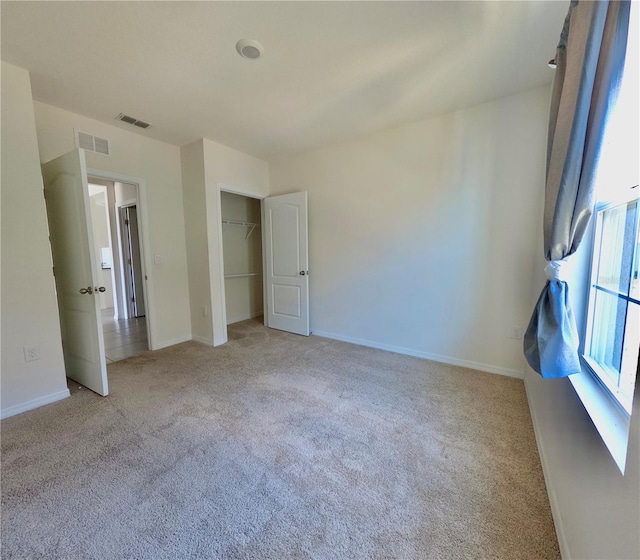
column 88, row 290
column 302, row 273
column 100, row 289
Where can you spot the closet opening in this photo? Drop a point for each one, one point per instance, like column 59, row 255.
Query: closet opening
column 242, row 256
column 116, row 232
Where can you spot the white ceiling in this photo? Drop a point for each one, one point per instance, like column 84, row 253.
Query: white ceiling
column 330, row 70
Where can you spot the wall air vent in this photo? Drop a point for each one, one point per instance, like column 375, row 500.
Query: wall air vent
column 131, row 120
column 92, row 143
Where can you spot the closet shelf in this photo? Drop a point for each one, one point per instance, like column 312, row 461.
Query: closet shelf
column 251, row 225
column 243, row 275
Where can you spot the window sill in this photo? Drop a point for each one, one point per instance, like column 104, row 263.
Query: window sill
column 610, row 421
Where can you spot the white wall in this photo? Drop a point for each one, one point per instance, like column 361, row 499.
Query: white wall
column 195, row 220
column 29, row 307
column 596, row 509
column 422, row 237
column 158, row 164
column 125, row 193
column 242, row 255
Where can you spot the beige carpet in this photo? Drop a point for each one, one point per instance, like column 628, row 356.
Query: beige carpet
column 277, row 446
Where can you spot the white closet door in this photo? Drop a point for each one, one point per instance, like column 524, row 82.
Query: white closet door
column 286, row 257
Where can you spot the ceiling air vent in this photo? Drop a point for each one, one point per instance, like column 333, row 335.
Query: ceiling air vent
column 92, row 143
column 131, row 120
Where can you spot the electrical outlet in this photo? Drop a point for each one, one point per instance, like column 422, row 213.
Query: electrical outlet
column 517, row 333
column 205, row 312
column 31, row 353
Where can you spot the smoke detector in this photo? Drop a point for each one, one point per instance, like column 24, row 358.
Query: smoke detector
column 249, row 48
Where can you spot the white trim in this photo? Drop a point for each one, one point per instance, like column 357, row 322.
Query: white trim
column 35, row 403
column 125, row 203
column 426, row 355
column 551, row 493
column 143, row 226
column 265, row 298
column 172, row 342
column 612, row 424
column 241, row 192
column 202, row 340
column 216, row 270
column 244, row 317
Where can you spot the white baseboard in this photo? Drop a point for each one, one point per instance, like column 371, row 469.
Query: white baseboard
column 553, row 498
column 202, row 340
column 172, row 342
column 239, row 318
column 426, row 355
column 35, row 403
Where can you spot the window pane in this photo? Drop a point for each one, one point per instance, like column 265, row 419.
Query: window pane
column 618, row 242
column 634, row 291
column 609, row 319
column 630, row 352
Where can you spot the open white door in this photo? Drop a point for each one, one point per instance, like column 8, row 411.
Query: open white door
column 66, row 193
column 286, row 257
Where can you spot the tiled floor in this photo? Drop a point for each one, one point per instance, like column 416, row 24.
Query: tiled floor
column 123, row 338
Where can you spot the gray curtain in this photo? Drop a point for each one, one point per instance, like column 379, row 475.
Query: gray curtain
column 590, row 60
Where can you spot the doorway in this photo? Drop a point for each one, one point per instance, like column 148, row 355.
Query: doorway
column 117, row 243
column 75, row 265
column 242, row 256
column 282, row 248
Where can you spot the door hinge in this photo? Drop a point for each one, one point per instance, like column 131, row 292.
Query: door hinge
column 53, row 268
column 133, row 300
column 126, row 222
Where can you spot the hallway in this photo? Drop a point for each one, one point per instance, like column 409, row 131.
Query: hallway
column 123, row 338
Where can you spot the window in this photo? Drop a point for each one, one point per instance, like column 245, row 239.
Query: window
column 612, row 336
column 613, row 324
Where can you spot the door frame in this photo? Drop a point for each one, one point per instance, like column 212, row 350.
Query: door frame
column 216, row 259
column 145, row 244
